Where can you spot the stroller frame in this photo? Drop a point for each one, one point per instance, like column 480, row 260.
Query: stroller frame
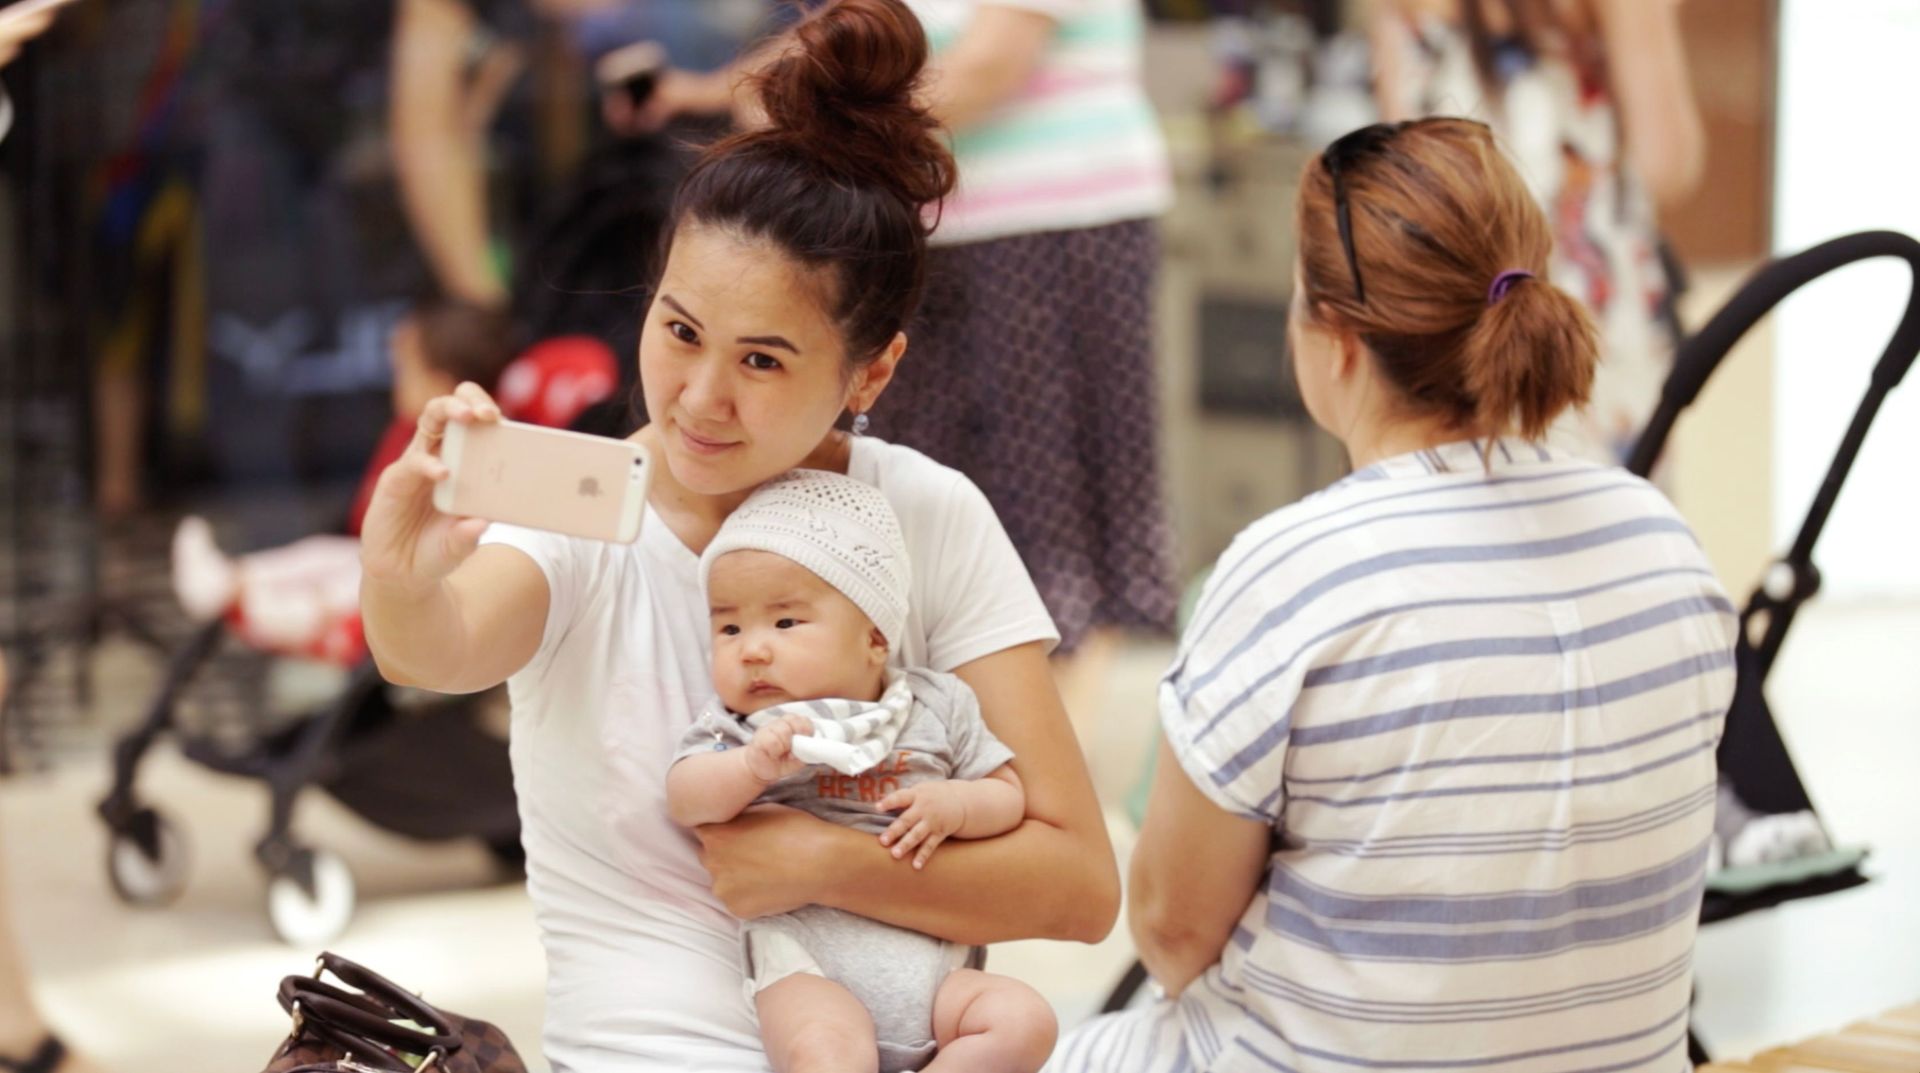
column 1752, row 754
column 310, row 891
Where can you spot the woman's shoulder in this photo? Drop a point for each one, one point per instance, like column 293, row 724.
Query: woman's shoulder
column 918, row 488
column 1273, row 532
column 1303, row 541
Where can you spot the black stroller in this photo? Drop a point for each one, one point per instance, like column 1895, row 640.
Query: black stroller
column 429, row 773
column 1752, row 755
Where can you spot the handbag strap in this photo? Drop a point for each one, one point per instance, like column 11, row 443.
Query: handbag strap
column 387, row 993
column 358, row 1023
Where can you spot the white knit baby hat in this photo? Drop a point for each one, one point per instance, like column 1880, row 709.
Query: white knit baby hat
column 840, row 528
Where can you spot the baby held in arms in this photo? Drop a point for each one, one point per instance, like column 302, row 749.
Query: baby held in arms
column 807, row 583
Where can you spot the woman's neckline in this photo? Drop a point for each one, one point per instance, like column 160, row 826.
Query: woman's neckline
column 1462, row 457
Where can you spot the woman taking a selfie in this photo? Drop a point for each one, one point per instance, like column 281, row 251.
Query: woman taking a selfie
column 1446, row 728
column 794, row 259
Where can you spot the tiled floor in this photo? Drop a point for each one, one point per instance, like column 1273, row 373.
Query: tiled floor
column 189, row 988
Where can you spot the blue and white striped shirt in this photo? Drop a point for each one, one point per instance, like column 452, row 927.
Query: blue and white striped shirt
column 1477, row 698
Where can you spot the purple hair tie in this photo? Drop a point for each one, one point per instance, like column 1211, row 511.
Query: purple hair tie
column 1504, row 282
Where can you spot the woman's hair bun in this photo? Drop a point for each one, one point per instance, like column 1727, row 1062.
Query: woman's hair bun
column 843, row 91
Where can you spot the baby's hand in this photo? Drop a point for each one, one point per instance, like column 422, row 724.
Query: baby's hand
column 770, row 754
column 934, row 811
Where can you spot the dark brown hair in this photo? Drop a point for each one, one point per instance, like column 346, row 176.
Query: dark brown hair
column 841, row 176
column 1438, row 214
column 465, row 341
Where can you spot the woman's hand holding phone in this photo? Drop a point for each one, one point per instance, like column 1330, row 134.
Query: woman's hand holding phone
column 405, row 542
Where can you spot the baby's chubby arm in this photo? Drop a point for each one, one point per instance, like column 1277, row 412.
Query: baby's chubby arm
column 715, row 787
column 953, row 808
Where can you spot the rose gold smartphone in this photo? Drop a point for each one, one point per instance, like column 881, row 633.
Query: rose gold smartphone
column 544, row 478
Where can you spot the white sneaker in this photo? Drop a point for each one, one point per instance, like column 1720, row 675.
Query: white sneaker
column 1771, row 839
column 204, row 579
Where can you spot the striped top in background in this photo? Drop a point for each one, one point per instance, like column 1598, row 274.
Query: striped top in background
column 1078, row 146
column 1478, row 699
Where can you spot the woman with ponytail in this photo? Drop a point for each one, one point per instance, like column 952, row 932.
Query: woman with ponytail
column 1446, row 728
column 792, row 265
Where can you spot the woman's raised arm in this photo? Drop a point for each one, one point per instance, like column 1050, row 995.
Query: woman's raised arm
column 440, row 612
column 1666, row 138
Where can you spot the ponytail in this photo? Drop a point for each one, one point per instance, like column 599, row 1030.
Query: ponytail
column 1528, row 356
column 1453, row 246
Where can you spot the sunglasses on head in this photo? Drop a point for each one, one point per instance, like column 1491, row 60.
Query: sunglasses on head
column 1345, row 155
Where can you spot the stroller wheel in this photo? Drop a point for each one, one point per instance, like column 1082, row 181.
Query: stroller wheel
column 311, row 909
column 147, row 860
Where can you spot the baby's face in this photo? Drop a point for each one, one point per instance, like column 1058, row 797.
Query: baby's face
column 781, row 634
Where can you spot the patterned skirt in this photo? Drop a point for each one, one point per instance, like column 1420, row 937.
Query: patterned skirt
column 1030, row 369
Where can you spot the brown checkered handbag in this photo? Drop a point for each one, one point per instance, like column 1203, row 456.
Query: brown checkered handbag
column 378, row 1027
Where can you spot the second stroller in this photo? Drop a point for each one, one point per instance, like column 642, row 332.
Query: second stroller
column 426, row 770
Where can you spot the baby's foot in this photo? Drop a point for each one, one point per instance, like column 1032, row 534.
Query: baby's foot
column 204, row 578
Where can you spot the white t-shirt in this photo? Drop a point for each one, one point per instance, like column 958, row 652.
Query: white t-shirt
column 643, row 963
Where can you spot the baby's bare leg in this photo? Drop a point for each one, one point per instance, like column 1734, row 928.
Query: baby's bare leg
column 812, row 1025
column 990, row 1024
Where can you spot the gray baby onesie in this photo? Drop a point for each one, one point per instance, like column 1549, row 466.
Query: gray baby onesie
column 895, row 972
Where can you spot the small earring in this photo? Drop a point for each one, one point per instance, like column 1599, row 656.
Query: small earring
column 860, row 423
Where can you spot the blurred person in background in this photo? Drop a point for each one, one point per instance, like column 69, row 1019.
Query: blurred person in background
column 27, row 1043
column 450, row 54
column 1033, row 368
column 252, row 247
column 453, row 63
column 553, row 231
column 1592, row 99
